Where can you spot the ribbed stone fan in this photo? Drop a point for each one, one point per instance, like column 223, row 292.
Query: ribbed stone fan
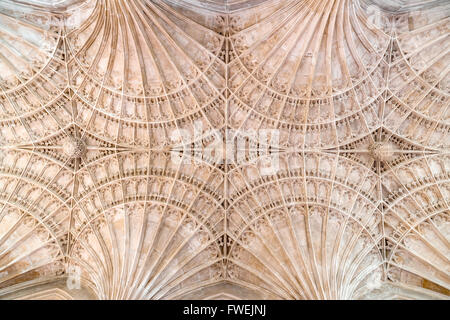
column 300, row 236
column 147, row 251
column 122, row 64
column 27, row 249
column 34, row 217
column 150, row 233
column 417, row 223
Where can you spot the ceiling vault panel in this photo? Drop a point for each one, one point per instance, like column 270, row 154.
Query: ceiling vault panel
column 92, row 91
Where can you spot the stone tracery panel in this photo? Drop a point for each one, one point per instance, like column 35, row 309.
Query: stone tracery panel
column 90, row 95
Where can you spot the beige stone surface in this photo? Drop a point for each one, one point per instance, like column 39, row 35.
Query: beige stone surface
column 91, row 91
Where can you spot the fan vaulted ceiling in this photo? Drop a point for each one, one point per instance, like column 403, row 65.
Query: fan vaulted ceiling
column 90, row 92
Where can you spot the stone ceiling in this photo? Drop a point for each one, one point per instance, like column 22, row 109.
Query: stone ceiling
column 91, row 91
